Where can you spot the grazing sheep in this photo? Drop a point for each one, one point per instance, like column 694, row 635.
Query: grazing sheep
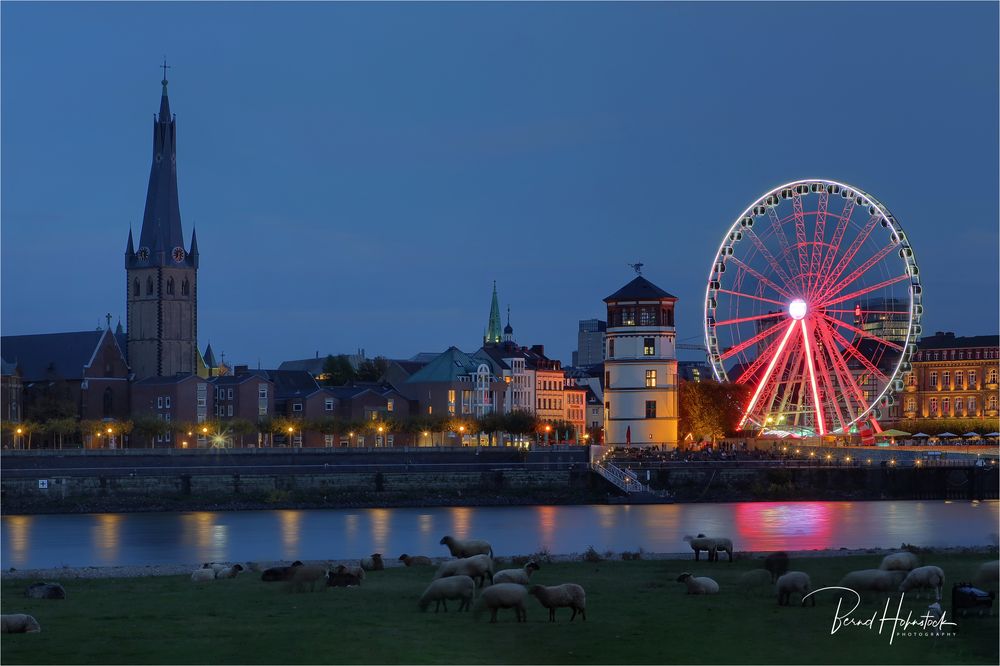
column 791, row 583
column 776, row 564
column 341, row 577
column 373, row 563
column 756, row 579
column 278, row 574
column 415, row 560
column 872, row 580
column 567, row 595
column 19, row 623
column 306, row 575
column 202, row 575
column 904, row 561
column 700, row 585
column 520, row 576
column 504, row 595
column 924, row 577
column 454, row 587
column 45, row 591
column 477, row 567
column 467, row 548
column 230, row 572
column 988, row 575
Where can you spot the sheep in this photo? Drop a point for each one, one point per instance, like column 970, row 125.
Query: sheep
column 721, row 543
column 229, row 572
column 306, row 575
column 921, row 577
column 710, row 544
column 794, row 582
column 214, row 566
column 354, row 570
column 504, row 595
column 373, row 563
column 988, row 575
column 415, row 560
column 454, row 587
column 341, row 577
column 904, row 561
column 700, row 585
column 467, row 548
column 872, row 580
column 45, row 591
column 520, row 576
column 776, row 564
column 477, row 567
column 277, row 574
column 202, row 575
column 567, row 595
column 755, row 580
column 19, row 623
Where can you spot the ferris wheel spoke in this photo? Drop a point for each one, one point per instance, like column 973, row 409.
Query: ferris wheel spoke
column 741, row 320
column 849, row 255
column 800, row 239
column 841, row 374
column 797, row 371
column 743, row 294
column 828, row 381
column 765, row 380
column 858, row 311
column 758, row 363
column 764, row 252
column 779, row 233
column 817, row 406
column 843, row 221
column 760, row 277
column 751, row 341
column 819, row 234
column 861, row 332
column 852, row 351
column 866, row 290
column 859, row 271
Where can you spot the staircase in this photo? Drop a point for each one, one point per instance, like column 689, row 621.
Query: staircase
column 626, row 480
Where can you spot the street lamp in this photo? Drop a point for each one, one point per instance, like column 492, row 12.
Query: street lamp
column 20, row 432
column 290, row 436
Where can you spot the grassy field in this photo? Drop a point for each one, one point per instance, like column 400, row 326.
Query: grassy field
column 636, row 613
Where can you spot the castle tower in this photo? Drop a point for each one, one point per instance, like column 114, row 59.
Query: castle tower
column 162, row 277
column 640, row 367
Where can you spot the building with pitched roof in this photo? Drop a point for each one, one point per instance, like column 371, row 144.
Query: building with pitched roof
column 455, row 384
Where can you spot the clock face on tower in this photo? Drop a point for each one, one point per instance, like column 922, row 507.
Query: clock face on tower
column 143, row 253
column 178, row 254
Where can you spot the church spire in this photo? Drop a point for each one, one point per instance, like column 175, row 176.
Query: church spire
column 493, row 329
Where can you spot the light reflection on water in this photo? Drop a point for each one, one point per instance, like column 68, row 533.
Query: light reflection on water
column 201, row 536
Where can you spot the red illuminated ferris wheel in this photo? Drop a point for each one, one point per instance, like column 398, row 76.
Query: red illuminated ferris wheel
column 814, row 302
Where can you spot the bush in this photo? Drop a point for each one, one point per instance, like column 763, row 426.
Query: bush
column 591, row 555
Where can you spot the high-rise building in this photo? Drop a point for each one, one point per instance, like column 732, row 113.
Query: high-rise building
column 162, row 277
column 590, row 342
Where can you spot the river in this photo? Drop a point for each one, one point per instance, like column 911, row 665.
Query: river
column 111, row 539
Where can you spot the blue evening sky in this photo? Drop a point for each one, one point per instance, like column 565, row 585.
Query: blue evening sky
column 359, row 174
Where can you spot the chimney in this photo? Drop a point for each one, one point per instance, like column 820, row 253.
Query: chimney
column 241, row 370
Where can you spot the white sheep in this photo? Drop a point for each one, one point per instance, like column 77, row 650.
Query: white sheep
column 467, row 548
column 903, row 561
column 793, row 582
column 988, row 575
column 701, row 585
column 454, row 587
column 19, row 623
column 229, row 572
column 203, row 575
column 504, row 595
column 924, row 577
column 214, row 566
column 307, row 575
column 712, row 545
column 567, row 595
column 872, row 580
column 477, row 567
column 520, row 576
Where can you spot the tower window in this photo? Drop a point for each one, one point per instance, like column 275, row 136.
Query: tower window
column 650, row 379
column 170, row 286
column 649, row 346
column 650, row 409
column 185, row 288
column 149, row 286
column 135, row 287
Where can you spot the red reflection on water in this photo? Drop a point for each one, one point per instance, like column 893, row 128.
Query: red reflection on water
column 784, row 526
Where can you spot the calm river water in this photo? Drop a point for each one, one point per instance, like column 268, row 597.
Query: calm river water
column 176, row 538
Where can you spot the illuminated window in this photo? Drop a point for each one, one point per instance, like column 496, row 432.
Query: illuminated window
column 628, row 316
column 972, row 379
column 991, row 378
column 946, row 405
column 389, row 405
column 650, row 378
column 911, row 404
column 933, row 405
column 972, row 407
column 451, row 401
column 649, row 346
column 933, row 378
column 647, row 317
column 993, row 402
column 959, row 405
column 946, row 380
column 328, row 441
column 650, row 409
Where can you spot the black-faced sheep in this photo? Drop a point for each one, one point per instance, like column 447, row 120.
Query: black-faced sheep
column 341, row 577
column 567, row 595
column 520, row 576
column 415, row 560
column 872, row 580
column 988, row 575
column 45, row 591
column 794, row 582
column 279, row 574
column 19, row 623
column 904, row 561
column 700, row 585
column 478, row 567
column 306, row 575
column 504, row 595
column 373, row 563
column 462, row 588
column 229, row 572
column 776, row 564
column 467, row 548
column 924, row 577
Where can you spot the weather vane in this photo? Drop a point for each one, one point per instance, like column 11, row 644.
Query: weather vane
column 637, row 267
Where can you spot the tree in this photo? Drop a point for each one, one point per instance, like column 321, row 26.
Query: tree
column 372, row 369
column 519, row 422
column 242, row 427
column 710, row 409
column 147, row 428
column 338, row 370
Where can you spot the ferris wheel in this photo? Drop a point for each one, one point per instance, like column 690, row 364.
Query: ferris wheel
column 814, row 303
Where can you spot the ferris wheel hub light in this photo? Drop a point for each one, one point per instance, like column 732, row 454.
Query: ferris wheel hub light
column 797, row 309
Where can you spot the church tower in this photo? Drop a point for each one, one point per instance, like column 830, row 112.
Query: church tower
column 492, row 335
column 162, row 277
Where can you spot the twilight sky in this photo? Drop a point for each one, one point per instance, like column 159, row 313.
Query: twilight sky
column 359, row 174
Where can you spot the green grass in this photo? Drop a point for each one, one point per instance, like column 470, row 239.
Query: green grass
column 636, row 614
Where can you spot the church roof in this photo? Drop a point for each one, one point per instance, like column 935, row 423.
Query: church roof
column 493, row 328
column 209, row 357
column 639, row 289
column 49, row 355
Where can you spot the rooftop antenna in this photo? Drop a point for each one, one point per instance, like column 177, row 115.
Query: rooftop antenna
column 637, row 267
